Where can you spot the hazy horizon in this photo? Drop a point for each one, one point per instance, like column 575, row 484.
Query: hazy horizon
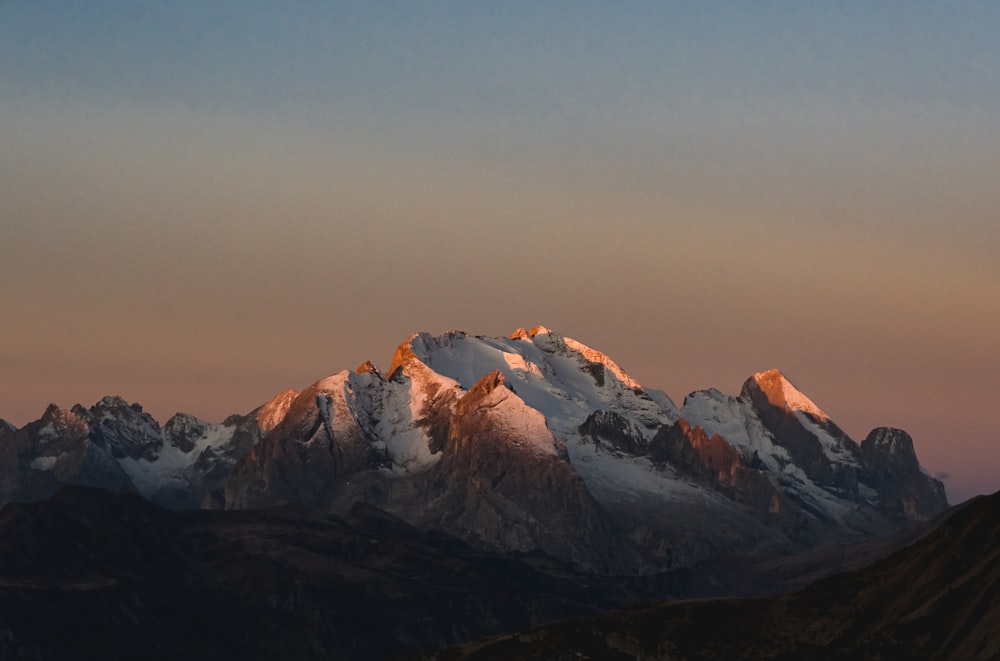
column 204, row 205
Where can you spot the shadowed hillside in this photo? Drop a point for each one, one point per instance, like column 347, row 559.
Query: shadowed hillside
column 938, row 599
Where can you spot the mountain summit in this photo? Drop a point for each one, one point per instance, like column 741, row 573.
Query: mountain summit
column 782, row 394
column 531, row 442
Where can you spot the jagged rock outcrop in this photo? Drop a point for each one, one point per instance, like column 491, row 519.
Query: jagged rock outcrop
column 818, row 446
column 616, row 432
column 693, row 451
column 831, row 458
column 124, row 429
column 183, row 431
column 713, row 459
column 904, row 490
column 116, row 445
column 56, row 450
column 304, row 457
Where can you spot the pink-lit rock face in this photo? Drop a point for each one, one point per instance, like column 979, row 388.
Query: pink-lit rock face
column 273, row 412
column 783, row 395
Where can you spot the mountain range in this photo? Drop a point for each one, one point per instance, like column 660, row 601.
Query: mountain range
column 532, row 442
column 482, row 486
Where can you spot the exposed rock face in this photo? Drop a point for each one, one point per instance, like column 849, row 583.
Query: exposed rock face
column 303, row 458
column 502, row 483
column 884, row 463
column 53, row 451
column 891, row 467
column 691, row 450
column 182, row 431
column 616, row 432
column 117, row 445
column 123, row 428
column 213, row 462
column 712, row 458
column 266, row 417
column 800, row 430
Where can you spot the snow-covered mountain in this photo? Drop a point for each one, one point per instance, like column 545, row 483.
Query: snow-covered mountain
column 534, row 441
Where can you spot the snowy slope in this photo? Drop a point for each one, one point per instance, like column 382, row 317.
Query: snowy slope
column 739, row 423
column 171, row 467
column 561, row 378
column 565, row 381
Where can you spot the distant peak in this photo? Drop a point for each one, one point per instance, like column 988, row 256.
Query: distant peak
column 489, row 383
column 767, row 376
column 595, row 356
column 483, row 391
column 404, row 355
column 62, row 418
column 781, row 393
column 367, row 367
column 519, row 334
column 273, row 412
column 522, row 334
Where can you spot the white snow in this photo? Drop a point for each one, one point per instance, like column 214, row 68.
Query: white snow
column 520, row 424
column 547, row 374
column 735, row 420
column 44, row 463
column 554, row 396
column 389, row 410
column 333, row 382
column 595, row 356
column 832, row 447
column 520, row 367
column 553, row 388
column 172, row 467
column 623, row 478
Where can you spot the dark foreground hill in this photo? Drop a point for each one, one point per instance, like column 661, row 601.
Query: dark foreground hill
column 88, row 574
column 92, row 575
column 937, row 599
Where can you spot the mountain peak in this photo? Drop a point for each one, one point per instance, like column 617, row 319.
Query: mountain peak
column 487, row 385
column 273, row 412
column 782, row 394
column 519, row 334
column 522, row 334
column 367, row 367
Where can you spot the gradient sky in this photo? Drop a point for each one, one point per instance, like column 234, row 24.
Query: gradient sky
column 203, row 204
